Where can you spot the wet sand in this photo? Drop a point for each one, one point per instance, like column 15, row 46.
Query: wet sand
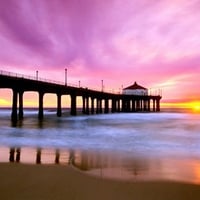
column 20, row 181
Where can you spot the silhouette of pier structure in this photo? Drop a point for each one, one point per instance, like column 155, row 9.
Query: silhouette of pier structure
column 93, row 101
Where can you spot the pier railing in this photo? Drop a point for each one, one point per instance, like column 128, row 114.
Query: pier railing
column 17, row 75
column 36, row 78
column 151, row 92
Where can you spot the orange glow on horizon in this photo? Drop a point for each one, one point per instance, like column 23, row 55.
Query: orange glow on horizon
column 49, row 100
column 4, row 103
column 193, row 105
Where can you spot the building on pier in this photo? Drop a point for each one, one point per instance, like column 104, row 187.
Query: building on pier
column 135, row 89
column 135, row 98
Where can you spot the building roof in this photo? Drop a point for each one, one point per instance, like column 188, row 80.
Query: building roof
column 135, row 86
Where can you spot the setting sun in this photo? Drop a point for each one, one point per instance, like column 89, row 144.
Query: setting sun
column 195, row 106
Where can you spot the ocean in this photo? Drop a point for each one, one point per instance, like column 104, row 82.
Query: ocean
column 125, row 146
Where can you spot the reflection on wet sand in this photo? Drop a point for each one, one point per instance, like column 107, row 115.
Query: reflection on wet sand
column 13, row 152
column 38, row 156
column 57, row 159
column 90, row 162
column 108, row 165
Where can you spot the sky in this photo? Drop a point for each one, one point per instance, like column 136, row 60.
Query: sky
column 153, row 42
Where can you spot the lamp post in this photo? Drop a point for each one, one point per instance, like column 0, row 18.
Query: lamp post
column 79, row 83
column 37, row 75
column 102, row 85
column 66, row 76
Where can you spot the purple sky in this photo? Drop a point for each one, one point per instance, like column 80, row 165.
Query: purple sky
column 153, row 42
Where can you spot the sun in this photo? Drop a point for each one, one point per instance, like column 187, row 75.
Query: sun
column 195, row 106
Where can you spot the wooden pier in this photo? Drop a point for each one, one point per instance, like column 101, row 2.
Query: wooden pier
column 93, row 101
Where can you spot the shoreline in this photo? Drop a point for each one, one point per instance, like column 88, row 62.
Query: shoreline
column 26, row 181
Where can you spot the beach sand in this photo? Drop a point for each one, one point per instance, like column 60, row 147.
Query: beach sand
column 46, row 182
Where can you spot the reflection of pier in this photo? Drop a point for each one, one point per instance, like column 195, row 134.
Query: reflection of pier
column 41, row 156
column 108, row 165
column 99, row 163
column 92, row 101
column 14, row 155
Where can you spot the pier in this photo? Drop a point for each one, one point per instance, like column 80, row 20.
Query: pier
column 93, row 101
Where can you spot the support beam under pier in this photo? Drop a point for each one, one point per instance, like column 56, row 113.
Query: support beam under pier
column 41, row 109
column 157, row 105
column 87, row 111
column 92, row 105
column 14, row 107
column 133, row 105
column 59, row 109
column 113, row 105
column 21, row 113
column 106, row 110
column 83, row 109
column 100, row 106
column 149, row 105
column 154, row 105
column 73, row 104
